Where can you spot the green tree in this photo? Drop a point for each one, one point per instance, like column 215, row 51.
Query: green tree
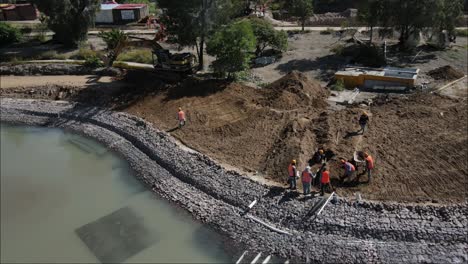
column 446, row 14
column 411, row 16
column 302, row 9
column 267, row 36
column 371, row 12
column 233, row 45
column 69, row 19
column 192, row 21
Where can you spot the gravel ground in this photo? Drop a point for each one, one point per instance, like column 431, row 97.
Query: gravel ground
column 347, row 231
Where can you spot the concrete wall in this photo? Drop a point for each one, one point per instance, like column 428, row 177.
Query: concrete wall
column 359, row 81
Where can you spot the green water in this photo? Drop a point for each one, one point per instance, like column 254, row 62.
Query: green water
column 65, row 198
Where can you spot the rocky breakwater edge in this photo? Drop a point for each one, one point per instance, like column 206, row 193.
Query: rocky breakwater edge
column 345, row 231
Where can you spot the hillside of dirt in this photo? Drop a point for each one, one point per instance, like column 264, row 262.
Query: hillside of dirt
column 254, row 129
column 419, row 144
column 418, row 141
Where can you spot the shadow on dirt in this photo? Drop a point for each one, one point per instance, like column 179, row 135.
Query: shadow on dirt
column 326, row 66
column 193, row 87
column 351, row 134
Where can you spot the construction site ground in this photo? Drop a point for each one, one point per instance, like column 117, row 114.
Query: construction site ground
column 418, row 140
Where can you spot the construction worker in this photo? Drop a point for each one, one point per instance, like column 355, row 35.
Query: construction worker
column 349, row 169
column 306, row 180
column 292, row 175
column 181, row 118
column 363, row 120
column 369, row 165
column 321, row 156
column 325, row 181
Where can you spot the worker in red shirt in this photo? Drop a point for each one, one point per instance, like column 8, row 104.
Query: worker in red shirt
column 325, row 181
column 292, row 175
column 181, row 118
column 306, row 180
column 369, row 165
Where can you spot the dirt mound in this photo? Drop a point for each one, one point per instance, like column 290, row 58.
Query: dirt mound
column 445, row 73
column 293, row 91
column 254, row 129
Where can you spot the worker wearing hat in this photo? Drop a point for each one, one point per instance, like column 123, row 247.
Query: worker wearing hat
column 369, row 165
column 363, row 120
column 181, row 117
column 349, row 169
column 292, row 174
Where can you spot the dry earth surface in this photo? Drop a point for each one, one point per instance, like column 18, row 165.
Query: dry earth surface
column 418, row 141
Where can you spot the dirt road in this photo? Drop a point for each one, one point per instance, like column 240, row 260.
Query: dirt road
column 60, row 80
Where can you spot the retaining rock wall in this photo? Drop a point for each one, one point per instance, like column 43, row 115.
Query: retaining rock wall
column 346, row 231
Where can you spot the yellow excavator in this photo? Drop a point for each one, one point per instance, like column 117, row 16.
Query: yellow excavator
column 164, row 60
column 169, row 65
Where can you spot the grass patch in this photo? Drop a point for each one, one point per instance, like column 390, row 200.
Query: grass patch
column 137, row 55
column 50, row 55
column 461, row 32
column 338, row 85
column 85, row 53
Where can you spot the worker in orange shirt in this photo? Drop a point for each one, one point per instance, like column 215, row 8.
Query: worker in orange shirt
column 325, row 181
column 369, row 165
column 181, row 118
column 292, row 172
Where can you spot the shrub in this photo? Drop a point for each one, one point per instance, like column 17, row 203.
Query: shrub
column 137, row 55
column 93, row 62
column 338, row 85
column 50, row 55
column 84, row 53
column 9, row 34
column 367, row 55
column 461, row 32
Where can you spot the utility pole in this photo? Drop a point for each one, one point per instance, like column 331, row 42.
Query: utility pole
column 385, row 51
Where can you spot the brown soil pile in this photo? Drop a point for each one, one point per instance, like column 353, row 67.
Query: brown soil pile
column 254, row 129
column 445, row 73
column 293, row 91
column 419, row 144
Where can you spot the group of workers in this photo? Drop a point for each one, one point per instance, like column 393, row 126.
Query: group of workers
column 322, row 177
column 308, row 178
